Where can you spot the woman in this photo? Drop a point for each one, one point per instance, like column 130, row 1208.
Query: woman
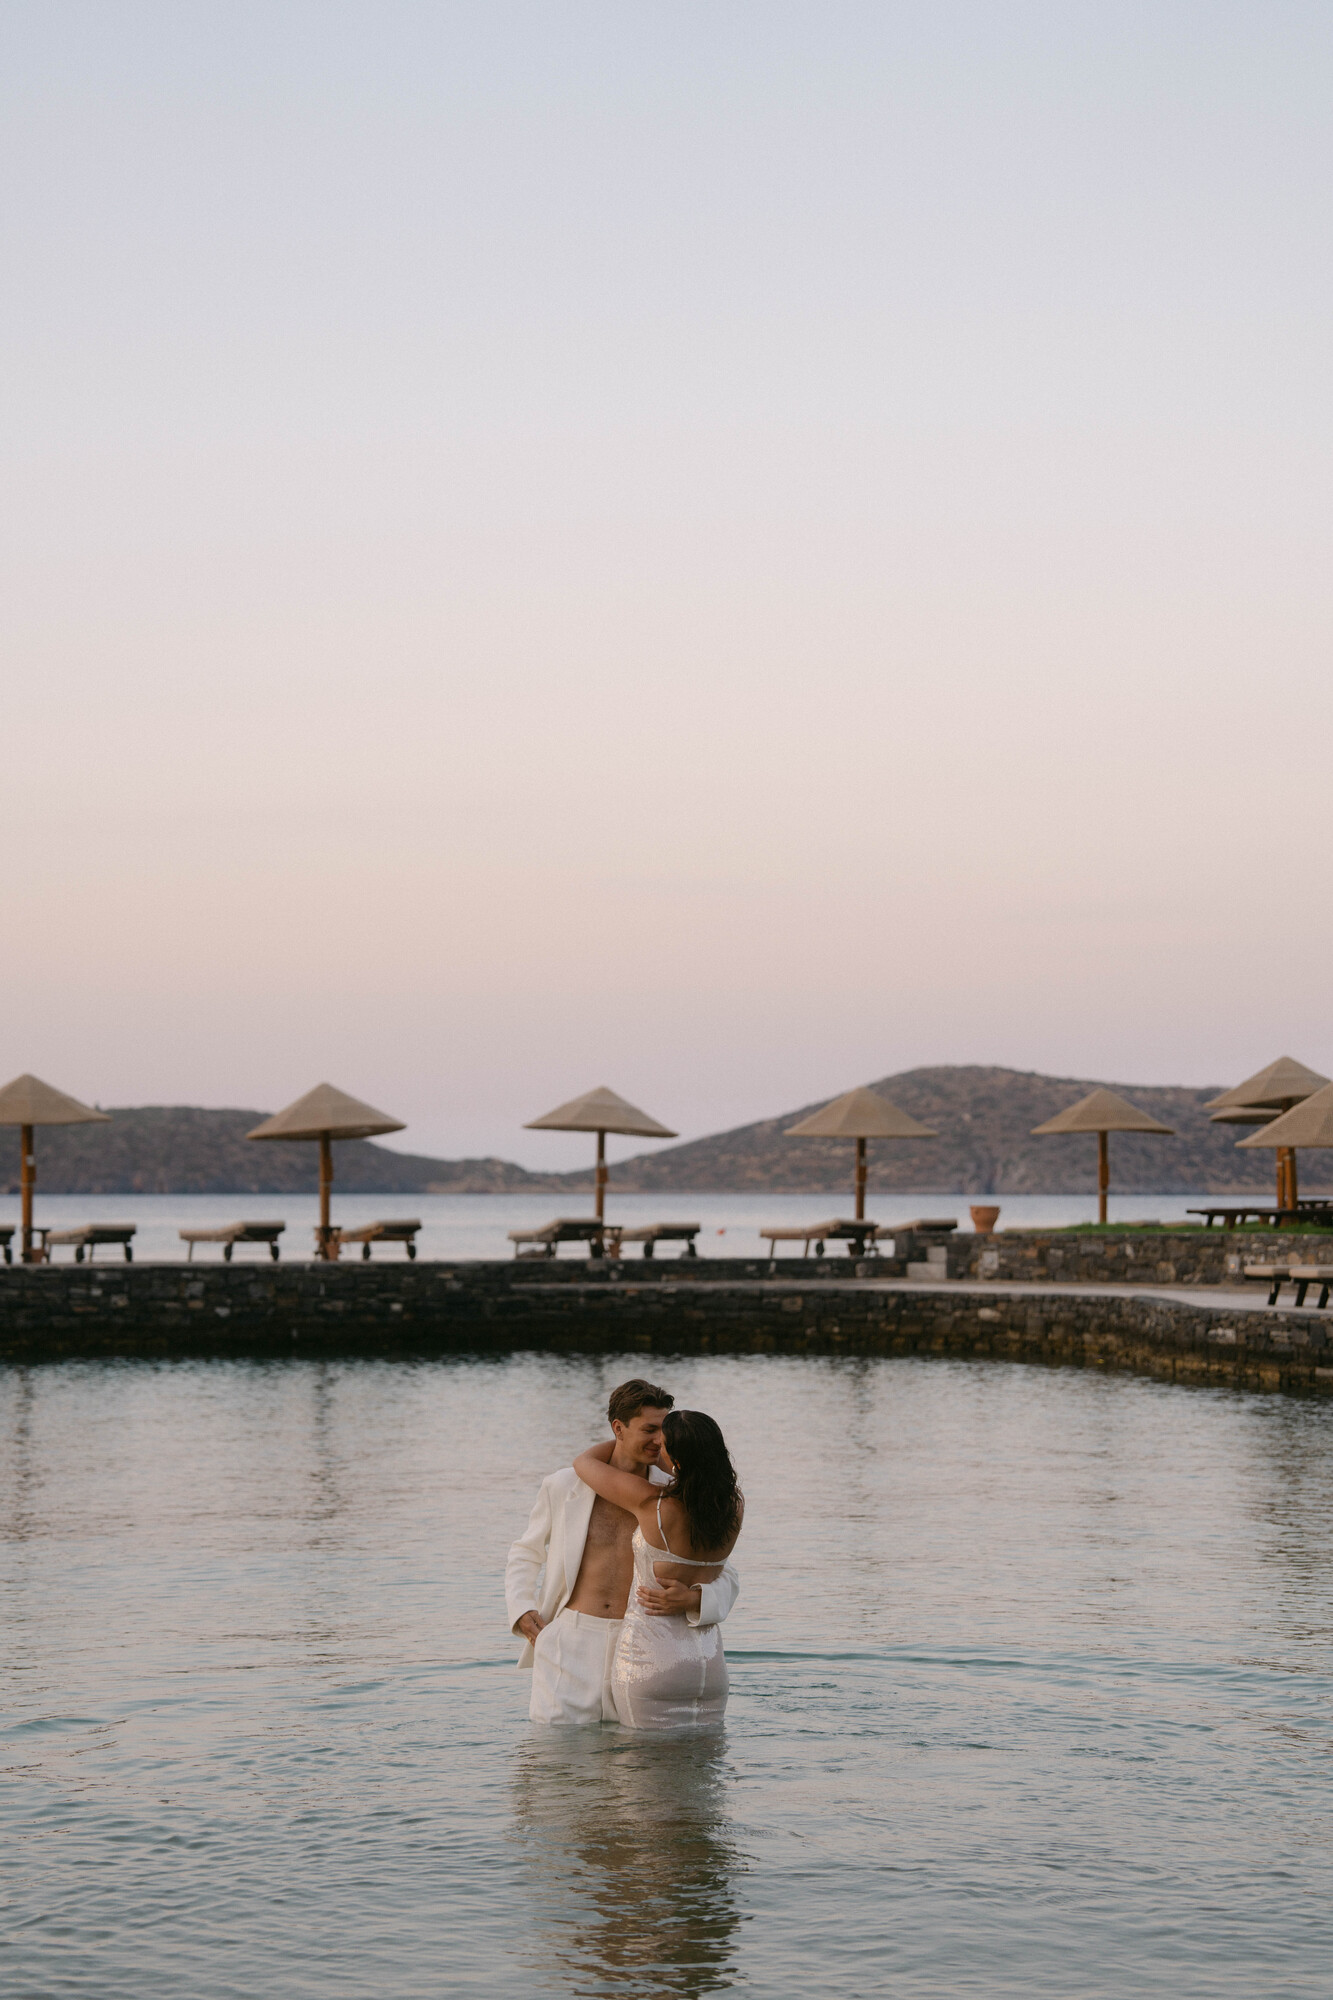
column 668, row 1673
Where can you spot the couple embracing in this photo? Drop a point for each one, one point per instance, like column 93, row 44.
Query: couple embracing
column 621, row 1580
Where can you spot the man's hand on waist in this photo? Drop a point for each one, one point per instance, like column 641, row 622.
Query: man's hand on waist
column 668, row 1600
column 530, row 1624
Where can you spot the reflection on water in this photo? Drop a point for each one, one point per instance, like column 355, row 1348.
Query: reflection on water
column 627, row 1861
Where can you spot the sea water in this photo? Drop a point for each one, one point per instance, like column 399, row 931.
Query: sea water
column 1031, row 1691
column 478, row 1225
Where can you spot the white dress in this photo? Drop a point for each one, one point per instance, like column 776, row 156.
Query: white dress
column 667, row 1673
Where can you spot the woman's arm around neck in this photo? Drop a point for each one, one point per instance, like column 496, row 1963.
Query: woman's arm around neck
column 623, row 1489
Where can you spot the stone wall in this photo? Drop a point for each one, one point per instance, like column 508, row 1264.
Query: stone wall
column 180, row 1312
column 1137, row 1257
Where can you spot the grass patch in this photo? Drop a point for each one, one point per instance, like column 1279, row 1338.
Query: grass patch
column 1169, row 1229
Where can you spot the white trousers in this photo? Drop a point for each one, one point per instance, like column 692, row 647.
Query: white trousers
column 571, row 1670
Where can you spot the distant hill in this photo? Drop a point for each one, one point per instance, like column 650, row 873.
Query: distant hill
column 181, row 1149
column 985, row 1119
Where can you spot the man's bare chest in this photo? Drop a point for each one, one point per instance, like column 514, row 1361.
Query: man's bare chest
column 610, row 1528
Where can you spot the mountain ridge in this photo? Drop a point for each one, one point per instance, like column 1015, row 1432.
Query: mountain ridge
column 191, row 1149
column 984, row 1115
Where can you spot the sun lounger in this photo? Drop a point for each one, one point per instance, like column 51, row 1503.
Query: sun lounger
column 1236, row 1215
column 1302, row 1276
column 7, row 1243
column 567, row 1229
column 378, row 1232
column 229, row 1234
column 858, row 1236
column 1305, row 1275
column 931, row 1228
column 654, row 1233
column 87, row 1238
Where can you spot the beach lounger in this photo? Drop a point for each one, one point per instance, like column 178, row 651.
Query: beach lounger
column 87, row 1238
column 7, row 1243
column 654, row 1233
column 858, row 1236
column 1302, row 1276
column 229, row 1234
column 378, row 1232
column 1305, row 1275
column 924, row 1232
column 1236, row 1215
column 567, row 1229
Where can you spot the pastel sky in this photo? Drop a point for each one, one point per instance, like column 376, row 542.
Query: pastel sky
column 721, row 549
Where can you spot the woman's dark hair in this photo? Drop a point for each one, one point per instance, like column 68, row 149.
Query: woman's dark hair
column 705, row 1481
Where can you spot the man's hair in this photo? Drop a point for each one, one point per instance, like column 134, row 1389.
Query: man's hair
column 631, row 1397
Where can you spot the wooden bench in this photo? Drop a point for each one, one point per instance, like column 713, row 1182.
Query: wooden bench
column 88, row 1238
column 7, row 1243
column 229, row 1234
column 1302, row 1276
column 567, row 1229
column 378, row 1232
column 653, row 1233
column 858, row 1236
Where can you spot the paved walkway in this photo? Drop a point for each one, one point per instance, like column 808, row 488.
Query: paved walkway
column 1220, row 1298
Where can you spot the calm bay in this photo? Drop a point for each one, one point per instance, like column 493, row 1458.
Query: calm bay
column 1031, row 1690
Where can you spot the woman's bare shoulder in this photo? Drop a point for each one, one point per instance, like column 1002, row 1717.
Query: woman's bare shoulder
column 677, row 1524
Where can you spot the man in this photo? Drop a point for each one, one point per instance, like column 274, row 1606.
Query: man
column 570, row 1619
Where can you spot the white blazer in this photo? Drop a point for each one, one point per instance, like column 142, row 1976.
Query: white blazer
column 553, row 1541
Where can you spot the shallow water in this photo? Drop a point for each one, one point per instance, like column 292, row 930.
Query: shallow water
column 478, row 1225
column 1031, row 1691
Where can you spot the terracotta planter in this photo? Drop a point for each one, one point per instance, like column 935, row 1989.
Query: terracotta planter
column 984, row 1220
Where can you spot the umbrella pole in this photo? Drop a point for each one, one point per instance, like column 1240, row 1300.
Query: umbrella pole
column 1103, row 1175
column 1286, row 1168
column 27, row 1176
column 860, row 1180
column 325, row 1188
column 600, row 1204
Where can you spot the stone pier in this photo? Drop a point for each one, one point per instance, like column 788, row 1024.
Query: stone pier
column 178, row 1312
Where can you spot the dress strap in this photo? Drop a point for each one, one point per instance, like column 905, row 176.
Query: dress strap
column 690, row 1562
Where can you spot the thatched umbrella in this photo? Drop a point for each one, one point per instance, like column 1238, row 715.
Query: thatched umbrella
column 26, row 1102
column 1102, row 1111
column 1263, row 1098
column 1309, row 1123
column 326, row 1114
column 860, row 1114
column 600, row 1111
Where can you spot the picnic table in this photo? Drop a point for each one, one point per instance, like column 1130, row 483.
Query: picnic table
column 1300, row 1275
column 229, row 1234
column 87, row 1238
column 7, row 1242
column 567, row 1229
column 653, row 1233
column 376, row 1232
column 859, row 1236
